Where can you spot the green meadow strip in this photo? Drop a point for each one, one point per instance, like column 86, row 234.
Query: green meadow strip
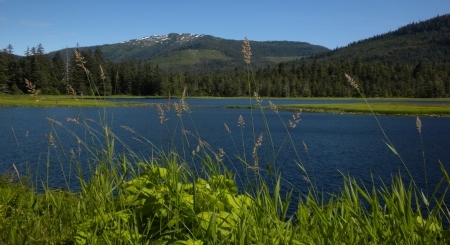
column 61, row 101
column 377, row 108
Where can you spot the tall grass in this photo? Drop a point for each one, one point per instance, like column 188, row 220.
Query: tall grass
column 190, row 193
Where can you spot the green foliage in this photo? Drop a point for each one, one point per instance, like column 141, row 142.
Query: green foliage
column 156, row 205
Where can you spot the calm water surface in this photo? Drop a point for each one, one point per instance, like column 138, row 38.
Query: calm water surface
column 337, row 144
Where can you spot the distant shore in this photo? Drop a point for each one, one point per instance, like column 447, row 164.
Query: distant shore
column 392, row 106
column 388, row 108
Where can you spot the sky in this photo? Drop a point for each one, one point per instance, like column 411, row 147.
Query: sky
column 57, row 24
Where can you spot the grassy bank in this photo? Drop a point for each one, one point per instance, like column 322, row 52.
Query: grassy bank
column 411, row 109
column 60, row 101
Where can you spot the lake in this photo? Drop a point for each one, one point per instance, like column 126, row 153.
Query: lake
column 337, row 143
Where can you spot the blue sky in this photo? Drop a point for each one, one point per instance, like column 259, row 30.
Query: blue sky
column 57, row 24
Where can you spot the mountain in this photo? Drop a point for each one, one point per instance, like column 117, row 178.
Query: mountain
column 427, row 41
column 203, row 52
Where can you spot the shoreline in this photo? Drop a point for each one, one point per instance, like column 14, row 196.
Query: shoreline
column 392, row 107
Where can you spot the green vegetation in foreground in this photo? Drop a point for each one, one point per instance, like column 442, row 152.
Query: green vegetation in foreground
column 377, row 108
column 60, row 101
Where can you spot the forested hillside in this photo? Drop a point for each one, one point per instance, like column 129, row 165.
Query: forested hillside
column 410, row 62
column 426, row 41
column 201, row 53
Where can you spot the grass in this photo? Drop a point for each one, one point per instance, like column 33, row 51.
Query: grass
column 377, row 108
column 188, row 195
column 60, row 101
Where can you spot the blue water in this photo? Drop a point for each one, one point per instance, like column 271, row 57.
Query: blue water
column 337, row 144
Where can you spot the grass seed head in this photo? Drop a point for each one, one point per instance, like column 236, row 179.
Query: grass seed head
column 80, row 61
column 54, row 121
column 52, row 141
column 136, row 139
column 295, row 119
column 304, row 146
column 246, row 50
column 257, row 98
column 17, row 171
column 255, row 151
column 306, row 179
column 161, row 113
column 32, row 88
column 419, row 125
column 220, row 155
column 178, row 108
column 227, row 128
column 351, row 81
column 72, row 91
column 128, row 129
column 241, row 122
column 273, row 107
column 102, row 74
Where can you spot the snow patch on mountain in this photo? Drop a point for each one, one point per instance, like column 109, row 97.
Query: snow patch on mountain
column 154, row 39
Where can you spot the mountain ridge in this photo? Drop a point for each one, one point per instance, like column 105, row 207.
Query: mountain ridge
column 163, row 49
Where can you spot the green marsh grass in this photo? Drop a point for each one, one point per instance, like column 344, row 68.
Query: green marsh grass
column 188, row 195
column 60, row 101
column 377, row 108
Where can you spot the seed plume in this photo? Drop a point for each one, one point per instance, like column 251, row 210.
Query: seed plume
column 80, row 60
column 32, row 88
column 306, row 179
column 161, row 113
column 257, row 98
column 273, row 107
column 72, row 91
column 102, row 74
column 227, row 128
column 351, row 81
column 304, row 146
column 54, row 121
column 128, row 129
column 295, row 119
column 17, row 172
column 419, row 125
column 255, row 151
column 246, row 50
column 241, row 122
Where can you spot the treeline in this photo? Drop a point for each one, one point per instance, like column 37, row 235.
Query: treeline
column 53, row 75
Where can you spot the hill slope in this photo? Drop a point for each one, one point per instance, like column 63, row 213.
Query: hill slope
column 427, row 41
column 204, row 52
